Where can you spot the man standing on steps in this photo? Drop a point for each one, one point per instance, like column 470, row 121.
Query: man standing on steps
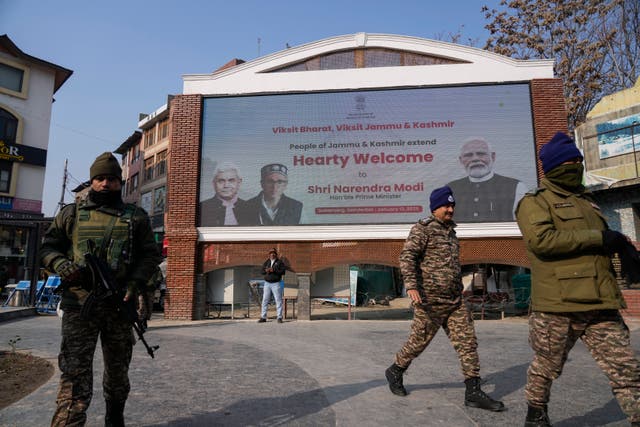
column 430, row 266
column 273, row 269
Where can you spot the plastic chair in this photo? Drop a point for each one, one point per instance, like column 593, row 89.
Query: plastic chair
column 22, row 287
column 47, row 302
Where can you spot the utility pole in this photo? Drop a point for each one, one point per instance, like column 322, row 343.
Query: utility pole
column 64, row 186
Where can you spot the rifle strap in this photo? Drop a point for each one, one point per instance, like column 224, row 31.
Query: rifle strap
column 102, row 251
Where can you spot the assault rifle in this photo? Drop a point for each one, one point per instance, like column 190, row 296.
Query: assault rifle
column 107, row 288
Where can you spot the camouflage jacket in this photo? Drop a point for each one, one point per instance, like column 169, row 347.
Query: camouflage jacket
column 132, row 252
column 569, row 269
column 430, row 262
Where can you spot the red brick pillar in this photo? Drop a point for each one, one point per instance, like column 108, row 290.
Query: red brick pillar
column 549, row 112
column 182, row 183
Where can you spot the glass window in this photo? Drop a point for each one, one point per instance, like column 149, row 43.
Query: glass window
column 5, row 176
column 148, row 169
column 382, row 58
column 160, row 194
column 161, row 163
column 370, row 57
column 134, row 184
column 150, row 137
column 145, row 201
column 338, row 60
column 8, row 127
column 164, row 130
column 135, row 153
column 11, row 78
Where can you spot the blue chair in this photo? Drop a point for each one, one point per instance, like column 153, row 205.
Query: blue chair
column 48, row 299
column 22, row 287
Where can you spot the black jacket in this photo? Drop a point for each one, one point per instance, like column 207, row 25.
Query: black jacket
column 252, row 212
column 212, row 212
column 277, row 273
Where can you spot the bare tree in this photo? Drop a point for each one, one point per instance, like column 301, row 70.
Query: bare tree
column 457, row 37
column 594, row 44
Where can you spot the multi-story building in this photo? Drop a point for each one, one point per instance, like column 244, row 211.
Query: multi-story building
column 27, row 86
column 145, row 156
column 610, row 139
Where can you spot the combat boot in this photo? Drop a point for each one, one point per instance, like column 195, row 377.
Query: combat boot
column 394, row 377
column 476, row 398
column 537, row 417
column 115, row 414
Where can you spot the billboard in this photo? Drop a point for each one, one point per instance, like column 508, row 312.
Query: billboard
column 365, row 157
column 618, row 137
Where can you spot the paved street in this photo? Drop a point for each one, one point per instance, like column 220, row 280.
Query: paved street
column 318, row 373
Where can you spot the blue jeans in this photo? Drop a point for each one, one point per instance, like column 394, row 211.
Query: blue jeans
column 271, row 288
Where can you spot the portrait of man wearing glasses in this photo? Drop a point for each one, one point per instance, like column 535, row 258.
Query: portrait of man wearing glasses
column 271, row 206
column 483, row 195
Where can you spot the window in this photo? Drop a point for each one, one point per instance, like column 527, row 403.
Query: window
column 146, row 200
column 148, row 169
column 367, row 58
column 161, row 163
column 150, row 137
column 134, row 184
column 5, row 176
column 8, row 131
column 135, row 153
column 164, row 130
column 12, row 78
column 8, row 127
column 159, row 199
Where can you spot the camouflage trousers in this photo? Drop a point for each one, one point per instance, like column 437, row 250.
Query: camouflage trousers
column 79, row 339
column 604, row 333
column 457, row 324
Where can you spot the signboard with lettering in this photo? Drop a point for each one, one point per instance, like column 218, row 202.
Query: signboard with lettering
column 365, row 157
column 23, row 154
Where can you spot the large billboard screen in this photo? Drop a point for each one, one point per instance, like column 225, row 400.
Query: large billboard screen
column 365, row 157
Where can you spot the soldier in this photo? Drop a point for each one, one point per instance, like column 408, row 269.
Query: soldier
column 124, row 241
column 574, row 291
column 430, row 267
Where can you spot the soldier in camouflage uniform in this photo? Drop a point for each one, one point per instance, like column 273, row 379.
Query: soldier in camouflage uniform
column 124, row 241
column 430, row 267
column 574, row 291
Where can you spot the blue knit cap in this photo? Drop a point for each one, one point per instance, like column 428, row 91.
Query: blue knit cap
column 558, row 150
column 440, row 197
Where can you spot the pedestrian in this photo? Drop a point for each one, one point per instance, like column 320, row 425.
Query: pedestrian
column 430, row 267
column 120, row 236
column 273, row 269
column 574, row 292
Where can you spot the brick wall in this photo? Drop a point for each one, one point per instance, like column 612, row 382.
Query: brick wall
column 632, row 297
column 182, row 196
column 549, row 112
column 185, row 264
column 315, row 256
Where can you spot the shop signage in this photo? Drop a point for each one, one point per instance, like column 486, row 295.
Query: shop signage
column 23, row 154
column 6, row 203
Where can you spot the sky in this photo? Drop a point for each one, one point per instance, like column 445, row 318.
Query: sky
column 127, row 56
